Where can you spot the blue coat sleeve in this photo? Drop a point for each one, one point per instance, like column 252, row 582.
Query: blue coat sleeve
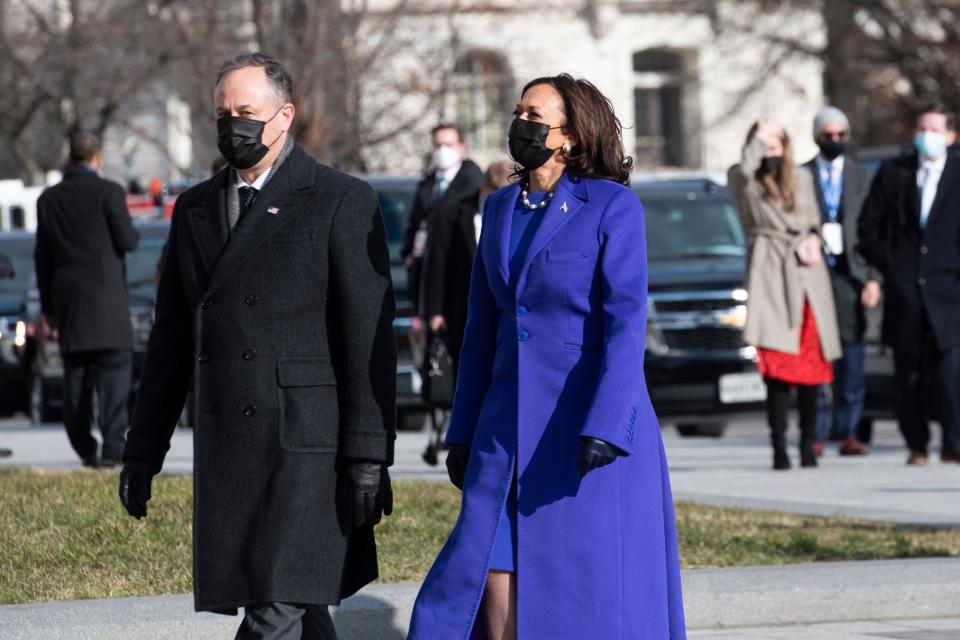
column 620, row 391
column 475, row 372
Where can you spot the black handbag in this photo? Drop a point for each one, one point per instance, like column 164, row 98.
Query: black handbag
column 437, row 390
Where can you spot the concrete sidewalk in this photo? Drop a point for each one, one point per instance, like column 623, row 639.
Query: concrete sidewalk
column 814, row 601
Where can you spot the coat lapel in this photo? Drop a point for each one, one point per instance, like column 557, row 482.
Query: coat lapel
column 570, row 195
column 208, row 221
column 504, row 226
column 280, row 202
column 947, row 183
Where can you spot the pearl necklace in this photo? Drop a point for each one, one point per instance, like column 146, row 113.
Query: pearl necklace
column 529, row 205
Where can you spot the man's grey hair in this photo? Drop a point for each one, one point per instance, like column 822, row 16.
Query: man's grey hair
column 277, row 74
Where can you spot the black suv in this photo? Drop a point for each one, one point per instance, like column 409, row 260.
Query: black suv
column 18, row 247
column 698, row 369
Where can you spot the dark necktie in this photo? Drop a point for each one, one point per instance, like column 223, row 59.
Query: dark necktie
column 247, row 196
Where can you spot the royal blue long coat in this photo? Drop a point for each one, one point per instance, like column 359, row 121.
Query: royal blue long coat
column 558, row 357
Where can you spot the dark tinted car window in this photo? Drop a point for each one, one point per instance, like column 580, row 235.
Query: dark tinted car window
column 396, row 201
column 142, row 263
column 20, row 252
column 692, row 226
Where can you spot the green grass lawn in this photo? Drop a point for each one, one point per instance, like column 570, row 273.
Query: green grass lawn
column 65, row 536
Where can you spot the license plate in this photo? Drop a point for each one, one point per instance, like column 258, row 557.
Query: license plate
column 742, row 387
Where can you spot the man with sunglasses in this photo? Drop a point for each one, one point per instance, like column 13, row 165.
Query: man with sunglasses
column 842, row 186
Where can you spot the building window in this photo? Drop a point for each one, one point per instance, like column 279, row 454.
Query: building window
column 482, row 91
column 659, row 115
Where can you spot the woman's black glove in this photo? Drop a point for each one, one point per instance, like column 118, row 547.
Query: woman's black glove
column 596, row 453
column 457, row 459
column 371, row 496
column 135, row 481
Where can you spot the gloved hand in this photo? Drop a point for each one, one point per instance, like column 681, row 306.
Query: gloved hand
column 370, row 493
column 457, row 458
column 135, row 481
column 596, row 453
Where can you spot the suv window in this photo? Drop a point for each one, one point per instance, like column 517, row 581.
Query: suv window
column 688, row 226
column 20, row 252
column 142, row 263
column 396, row 202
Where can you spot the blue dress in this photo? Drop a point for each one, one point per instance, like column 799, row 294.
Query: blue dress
column 523, row 227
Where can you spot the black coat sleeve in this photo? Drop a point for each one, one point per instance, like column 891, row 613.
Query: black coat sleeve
column 436, row 260
column 362, row 309
column 43, row 262
column 879, row 209
column 167, row 370
column 125, row 237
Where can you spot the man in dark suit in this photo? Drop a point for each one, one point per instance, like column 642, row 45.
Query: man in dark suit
column 275, row 299
column 83, row 232
column 842, row 186
column 440, row 222
column 909, row 230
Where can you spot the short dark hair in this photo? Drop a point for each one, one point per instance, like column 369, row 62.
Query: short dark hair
column 277, row 74
column 84, row 146
column 446, row 125
column 598, row 152
column 940, row 109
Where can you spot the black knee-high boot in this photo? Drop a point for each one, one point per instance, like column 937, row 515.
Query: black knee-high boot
column 778, row 400
column 807, row 403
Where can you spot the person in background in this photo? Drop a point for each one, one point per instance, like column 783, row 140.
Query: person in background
column 443, row 196
column 497, row 176
column 83, row 233
column 842, row 185
column 553, row 439
column 791, row 318
column 910, row 231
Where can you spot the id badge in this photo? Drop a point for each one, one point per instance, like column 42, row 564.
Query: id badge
column 833, row 238
column 419, row 243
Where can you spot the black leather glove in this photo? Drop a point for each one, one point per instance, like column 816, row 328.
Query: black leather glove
column 371, row 496
column 135, row 481
column 457, row 458
column 596, row 453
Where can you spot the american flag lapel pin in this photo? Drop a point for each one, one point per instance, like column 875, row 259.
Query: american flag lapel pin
column 273, row 211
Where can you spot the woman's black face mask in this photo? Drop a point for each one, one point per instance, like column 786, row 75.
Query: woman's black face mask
column 771, row 164
column 240, row 140
column 528, row 143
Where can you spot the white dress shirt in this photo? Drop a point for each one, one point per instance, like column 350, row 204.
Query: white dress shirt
column 831, row 173
column 444, row 178
column 258, row 183
column 928, row 179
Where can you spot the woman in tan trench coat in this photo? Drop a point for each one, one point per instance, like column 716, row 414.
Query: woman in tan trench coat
column 791, row 317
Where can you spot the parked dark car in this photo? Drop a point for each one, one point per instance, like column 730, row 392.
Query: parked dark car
column 17, row 246
column 44, row 366
column 396, row 200
column 698, row 369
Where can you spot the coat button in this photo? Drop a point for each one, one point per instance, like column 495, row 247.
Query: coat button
column 924, row 250
column 206, row 304
column 203, row 357
column 251, row 300
column 249, row 354
column 521, row 311
column 522, row 335
column 250, row 410
column 922, row 281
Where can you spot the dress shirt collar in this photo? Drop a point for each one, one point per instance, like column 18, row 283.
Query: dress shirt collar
column 450, row 173
column 824, row 166
column 258, row 183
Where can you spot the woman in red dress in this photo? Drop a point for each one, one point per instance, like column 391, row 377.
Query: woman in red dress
column 791, row 318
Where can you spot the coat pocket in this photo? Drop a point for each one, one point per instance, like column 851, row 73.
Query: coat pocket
column 567, row 256
column 309, row 415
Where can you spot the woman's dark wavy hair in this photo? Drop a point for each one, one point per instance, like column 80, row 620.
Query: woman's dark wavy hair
column 598, row 152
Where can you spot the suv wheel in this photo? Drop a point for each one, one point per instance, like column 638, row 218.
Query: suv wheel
column 701, row 429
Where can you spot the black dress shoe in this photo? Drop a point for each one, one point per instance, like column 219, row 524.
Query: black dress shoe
column 109, row 463
column 6, row 453
column 808, row 458
column 781, row 461
column 91, row 462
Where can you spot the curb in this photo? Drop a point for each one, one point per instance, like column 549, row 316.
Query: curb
column 714, row 599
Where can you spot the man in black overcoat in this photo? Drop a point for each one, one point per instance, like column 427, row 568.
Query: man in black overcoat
column 910, row 230
column 83, row 234
column 275, row 299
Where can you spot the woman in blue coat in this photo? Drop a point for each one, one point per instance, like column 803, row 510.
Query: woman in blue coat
column 566, row 528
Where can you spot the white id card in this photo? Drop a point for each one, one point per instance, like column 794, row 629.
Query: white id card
column 833, row 238
column 419, row 242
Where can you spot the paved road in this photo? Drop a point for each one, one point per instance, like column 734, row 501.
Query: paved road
column 730, row 471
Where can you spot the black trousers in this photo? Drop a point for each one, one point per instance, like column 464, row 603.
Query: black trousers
column 778, row 403
column 931, row 378
column 108, row 373
column 281, row 621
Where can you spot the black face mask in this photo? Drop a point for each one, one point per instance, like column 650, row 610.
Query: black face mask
column 240, row 141
column 771, row 164
column 832, row 149
column 528, row 143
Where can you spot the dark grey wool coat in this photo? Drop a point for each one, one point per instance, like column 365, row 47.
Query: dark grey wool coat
column 286, row 332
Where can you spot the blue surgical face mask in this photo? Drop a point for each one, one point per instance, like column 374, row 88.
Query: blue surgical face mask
column 930, row 144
